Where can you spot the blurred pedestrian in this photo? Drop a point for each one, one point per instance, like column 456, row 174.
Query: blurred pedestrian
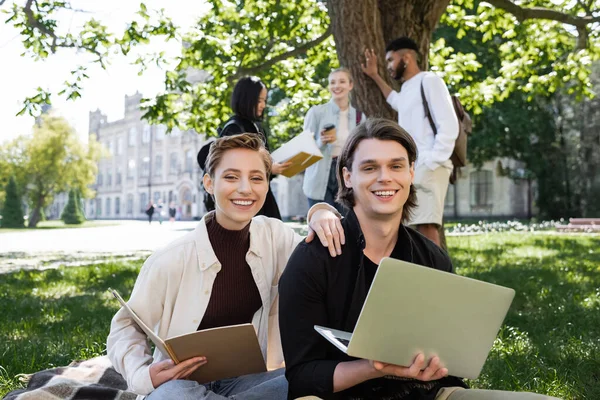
column 150, row 212
column 172, row 212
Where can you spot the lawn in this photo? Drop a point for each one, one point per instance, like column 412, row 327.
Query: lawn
column 550, row 342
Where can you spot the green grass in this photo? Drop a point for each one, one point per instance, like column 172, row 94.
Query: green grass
column 58, row 224
column 550, row 342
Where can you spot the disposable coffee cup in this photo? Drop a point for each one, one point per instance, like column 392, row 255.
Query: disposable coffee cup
column 330, row 131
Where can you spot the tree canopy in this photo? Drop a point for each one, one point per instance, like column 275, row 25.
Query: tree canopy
column 542, row 46
column 511, row 62
column 50, row 161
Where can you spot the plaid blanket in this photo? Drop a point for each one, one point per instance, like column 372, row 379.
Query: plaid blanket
column 90, row 380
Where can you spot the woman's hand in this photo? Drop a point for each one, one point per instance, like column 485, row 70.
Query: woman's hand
column 165, row 371
column 327, row 138
column 278, row 168
column 327, row 226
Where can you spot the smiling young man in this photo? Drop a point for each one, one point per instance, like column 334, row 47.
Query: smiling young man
column 433, row 168
column 375, row 171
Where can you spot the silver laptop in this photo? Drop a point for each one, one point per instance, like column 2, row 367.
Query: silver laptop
column 411, row 309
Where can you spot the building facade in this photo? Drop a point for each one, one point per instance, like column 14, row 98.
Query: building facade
column 487, row 193
column 144, row 166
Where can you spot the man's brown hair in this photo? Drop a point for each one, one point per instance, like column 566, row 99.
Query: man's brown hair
column 380, row 129
column 250, row 141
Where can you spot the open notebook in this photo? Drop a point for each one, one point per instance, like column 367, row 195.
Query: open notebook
column 301, row 151
column 230, row 350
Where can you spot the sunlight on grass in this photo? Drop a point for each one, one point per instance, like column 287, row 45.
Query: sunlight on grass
column 550, row 342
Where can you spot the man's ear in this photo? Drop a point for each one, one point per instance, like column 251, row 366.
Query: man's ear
column 208, row 183
column 346, row 174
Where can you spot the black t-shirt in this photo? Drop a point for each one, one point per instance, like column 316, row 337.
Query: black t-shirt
column 316, row 289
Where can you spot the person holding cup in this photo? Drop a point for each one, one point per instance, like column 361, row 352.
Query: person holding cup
column 331, row 123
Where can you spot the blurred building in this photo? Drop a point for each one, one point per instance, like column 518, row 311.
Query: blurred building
column 488, row 192
column 144, row 165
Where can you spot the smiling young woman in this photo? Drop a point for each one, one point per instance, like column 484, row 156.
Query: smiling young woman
column 225, row 272
column 320, row 182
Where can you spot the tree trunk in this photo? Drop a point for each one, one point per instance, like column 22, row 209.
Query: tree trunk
column 361, row 24
column 36, row 215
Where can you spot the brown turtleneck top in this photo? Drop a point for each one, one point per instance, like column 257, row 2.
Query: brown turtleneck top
column 235, row 297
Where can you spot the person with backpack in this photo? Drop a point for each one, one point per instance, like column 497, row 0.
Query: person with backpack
column 248, row 102
column 331, row 124
column 425, row 110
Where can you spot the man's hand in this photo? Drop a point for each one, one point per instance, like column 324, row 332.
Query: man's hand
column 278, row 168
column 370, row 67
column 329, row 229
column 165, row 371
column 418, row 370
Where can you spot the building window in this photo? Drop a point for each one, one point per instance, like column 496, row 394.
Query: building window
column 160, row 132
column 108, row 206
column 146, row 166
column 132, row 136
column 98, row 207
column 158, row 166
column 156, row 197
column 173, row 164
column 481, row 189
column 146, row 134
column 119, row 177
column 129, row 204
column 100, row 179
column 108, row 178
column 109, row 145
column 143, row 201
column 189, row 156
column 131, row 168
column 117, row 206
column 119, row 146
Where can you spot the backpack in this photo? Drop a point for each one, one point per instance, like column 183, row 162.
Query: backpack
column 465, row 127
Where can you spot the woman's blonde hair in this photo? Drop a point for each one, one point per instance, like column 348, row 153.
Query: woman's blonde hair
column 343, row 69
column 250, row 141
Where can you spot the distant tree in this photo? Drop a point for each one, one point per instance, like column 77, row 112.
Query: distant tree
column 12, row 213
column 79, row 201
column 51, row 161
column 72, row 214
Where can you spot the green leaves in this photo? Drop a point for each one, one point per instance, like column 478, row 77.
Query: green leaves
column 50, row 161
column 251, row 38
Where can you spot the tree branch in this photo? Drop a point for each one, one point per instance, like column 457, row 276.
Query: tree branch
column 522, row 13
column 274, row 60
column 34, row 23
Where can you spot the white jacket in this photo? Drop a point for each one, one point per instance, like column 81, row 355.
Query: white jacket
column 173, row 289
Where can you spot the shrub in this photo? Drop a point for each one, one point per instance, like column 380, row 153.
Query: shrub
column 12, row 214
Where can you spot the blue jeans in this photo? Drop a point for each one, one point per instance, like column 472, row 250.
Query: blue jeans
column 266, row 385
column 331, row 191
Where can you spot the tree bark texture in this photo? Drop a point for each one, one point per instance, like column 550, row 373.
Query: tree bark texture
column 361, row 24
